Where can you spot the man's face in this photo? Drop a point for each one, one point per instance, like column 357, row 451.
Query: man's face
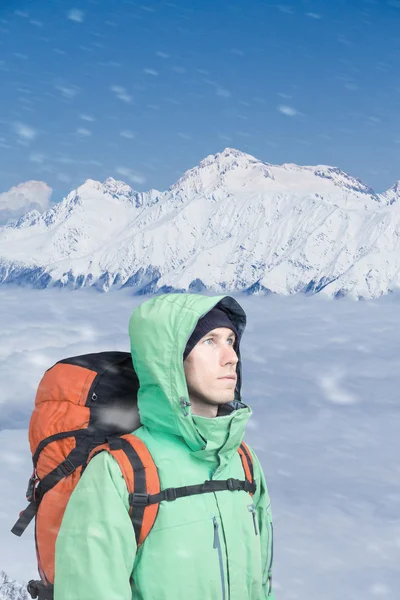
column 210, row 371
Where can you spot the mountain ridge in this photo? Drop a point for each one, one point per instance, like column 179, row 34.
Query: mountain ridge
column 232, row 223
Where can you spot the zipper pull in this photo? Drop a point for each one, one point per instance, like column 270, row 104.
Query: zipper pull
column 252, row 509
column 215, row 532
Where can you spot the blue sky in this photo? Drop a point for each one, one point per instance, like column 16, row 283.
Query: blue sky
column 142, row 91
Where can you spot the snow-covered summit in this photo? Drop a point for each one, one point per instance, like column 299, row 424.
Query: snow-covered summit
column 231, row 223
column 232, row 171
column 392, row 195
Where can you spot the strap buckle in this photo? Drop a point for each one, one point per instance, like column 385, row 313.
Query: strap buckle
column 233, row 484
column 32, row 588
column 66, row 467
column 170, row 494
column 138, row 499
column 30, row 492
column 37, row 589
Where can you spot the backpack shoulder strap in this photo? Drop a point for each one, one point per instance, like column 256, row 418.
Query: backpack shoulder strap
column 143, row 483
column 247, row 462
column 141, row 478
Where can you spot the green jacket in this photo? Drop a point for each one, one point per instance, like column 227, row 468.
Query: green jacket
column 215, row 546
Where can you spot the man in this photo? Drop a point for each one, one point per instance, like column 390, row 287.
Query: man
column 185, row 350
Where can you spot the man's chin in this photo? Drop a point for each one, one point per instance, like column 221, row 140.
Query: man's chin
column 221, row 401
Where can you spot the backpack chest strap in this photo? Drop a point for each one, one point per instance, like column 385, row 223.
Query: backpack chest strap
column 171, row 494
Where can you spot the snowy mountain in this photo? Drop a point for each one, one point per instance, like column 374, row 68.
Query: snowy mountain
column 233, row 223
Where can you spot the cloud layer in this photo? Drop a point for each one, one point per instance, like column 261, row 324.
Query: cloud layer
column 322, row 379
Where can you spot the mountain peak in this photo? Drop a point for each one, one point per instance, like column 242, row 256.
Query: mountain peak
column 392, row 195
column 211, row 171
column 228, row 155
column 110, row 186
column 116, row 187
column 396, row 187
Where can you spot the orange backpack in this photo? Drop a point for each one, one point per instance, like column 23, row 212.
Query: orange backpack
column 85, row 405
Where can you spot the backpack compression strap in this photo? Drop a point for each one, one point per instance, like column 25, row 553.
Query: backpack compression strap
column 37, row 488
column 143, row 484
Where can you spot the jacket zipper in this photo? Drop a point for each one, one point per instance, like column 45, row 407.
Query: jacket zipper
column 217, row 545
column 252, row 509
column 272, row 558
column 270, row 555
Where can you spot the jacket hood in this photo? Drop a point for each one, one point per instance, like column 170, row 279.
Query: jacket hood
column 159, row 330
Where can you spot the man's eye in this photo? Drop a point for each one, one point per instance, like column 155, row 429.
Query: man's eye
column 211, row 340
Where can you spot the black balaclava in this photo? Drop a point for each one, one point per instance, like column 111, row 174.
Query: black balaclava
column 216, row 317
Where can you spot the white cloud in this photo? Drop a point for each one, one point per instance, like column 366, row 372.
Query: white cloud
column 68, row 92
column 285, row 9
column 76, row 15
column 88, row 118
column 121, row 93
column 127, row 134
column 65, row 160
column 287, row 110
column 223, row 92
column 83, row 132
column 131, row 175
column 37, row 157
column 237, row 51
column 333, row 389
column 162, row 55
column 25, row 132
column 110, row 63
column 151, row 72
column 225, row 137
column 313, row 15
column 32, row 195
column 351, row 86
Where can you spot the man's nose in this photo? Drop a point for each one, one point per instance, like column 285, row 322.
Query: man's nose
column 229, row 355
